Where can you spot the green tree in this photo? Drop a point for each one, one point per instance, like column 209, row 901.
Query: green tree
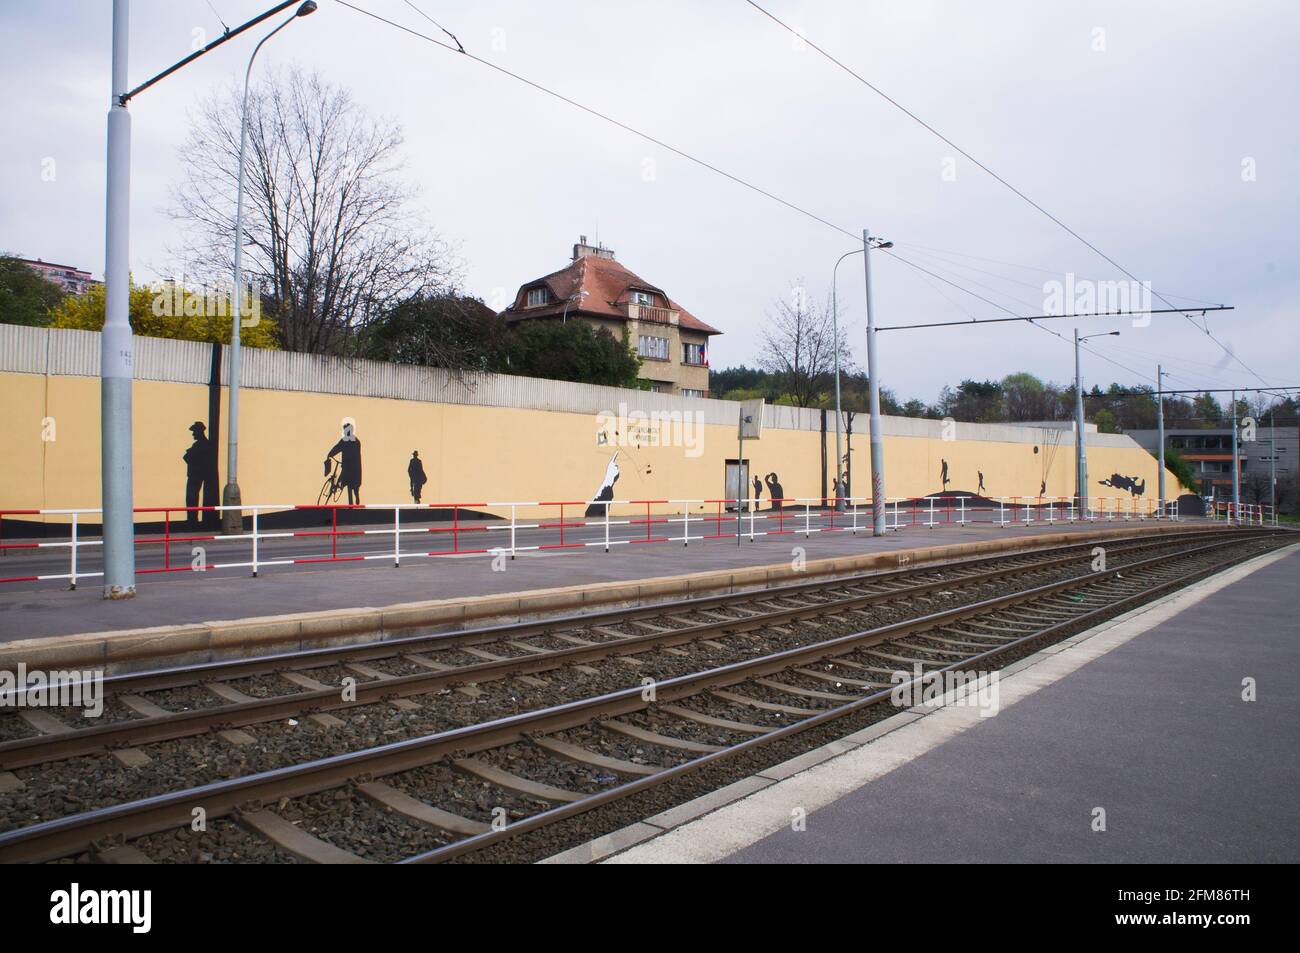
column 439, row 330
column 166, row 311
column 1182, row 470
column 26, row 296
column 571, row 351
column 1206, row 410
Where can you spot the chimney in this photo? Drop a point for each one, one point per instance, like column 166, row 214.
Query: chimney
column 582, row 249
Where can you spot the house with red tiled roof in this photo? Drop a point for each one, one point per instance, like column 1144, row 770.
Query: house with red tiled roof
column 673, row 344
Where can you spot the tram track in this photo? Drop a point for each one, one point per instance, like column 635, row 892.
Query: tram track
column 242, row 692
column 720, row 713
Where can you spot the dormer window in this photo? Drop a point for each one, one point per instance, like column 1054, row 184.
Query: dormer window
column 641, row 297
column 538, row 297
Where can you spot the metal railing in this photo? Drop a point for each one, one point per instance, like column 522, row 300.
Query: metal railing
column 1245, row 514
column 509, row 528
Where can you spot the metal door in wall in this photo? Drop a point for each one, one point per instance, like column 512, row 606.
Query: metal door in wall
column 736, row 485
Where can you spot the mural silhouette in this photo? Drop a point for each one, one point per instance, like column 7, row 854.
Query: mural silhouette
column 1134, row 485
column 198, row 463
column 775, row 491
column 346, row 472
column 415, row 473
column 606, row 492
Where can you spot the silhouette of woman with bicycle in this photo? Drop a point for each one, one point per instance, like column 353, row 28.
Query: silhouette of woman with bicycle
column 346, row 472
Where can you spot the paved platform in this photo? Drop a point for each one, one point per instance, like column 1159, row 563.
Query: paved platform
column 28, row 611
column 1142, row 717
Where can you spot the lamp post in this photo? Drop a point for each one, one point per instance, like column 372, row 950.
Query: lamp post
column 1236, row 464
column 873, row 382
column 1080, row 449
column 232, row 520
column 579, row 295
column 1160, row 426
column 116, row 345
column 835, row 325
column 116, row 372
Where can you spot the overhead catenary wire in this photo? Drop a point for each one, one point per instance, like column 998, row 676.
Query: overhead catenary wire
column 913, row 116
column 460, row 50
column 607, row 118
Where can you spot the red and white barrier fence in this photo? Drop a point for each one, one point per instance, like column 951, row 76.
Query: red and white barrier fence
column 509, row 528
column 1245, row 514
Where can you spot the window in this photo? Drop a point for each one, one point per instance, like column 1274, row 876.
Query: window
column 538, row 296
column 655, row 348
column 693, row 354
column 690, row 392
column 641, row 297
column 661, row 387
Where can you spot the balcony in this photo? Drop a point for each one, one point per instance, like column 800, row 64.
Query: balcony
column 644, row 312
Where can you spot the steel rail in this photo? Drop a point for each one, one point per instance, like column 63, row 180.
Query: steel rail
column 40, row 749
column 543, row 819
column 305, row 659
column 61, row 836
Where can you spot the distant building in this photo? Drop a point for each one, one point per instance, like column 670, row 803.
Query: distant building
column 1209, row 451
column 594, row 287
column 72, row 280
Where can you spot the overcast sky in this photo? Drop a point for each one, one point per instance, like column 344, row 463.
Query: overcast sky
column 1165, row 133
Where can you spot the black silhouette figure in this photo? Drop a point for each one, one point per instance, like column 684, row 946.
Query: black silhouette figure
column 597, row 507
column 775, row 491
column 943, row 473
column 981, row 486
column 197, row 460
column 348, row 449
column 415, row 473
column 1042, row 488
column 758, row 491
column 1135, row 486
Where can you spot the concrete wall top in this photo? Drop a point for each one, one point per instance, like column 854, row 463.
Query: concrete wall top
column 58, row 351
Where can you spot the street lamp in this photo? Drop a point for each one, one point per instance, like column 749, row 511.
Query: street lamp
column 873, row 381
column 564, row 315
column 1161, row 374
column 233, row 519
column 1080, row 450
column 116, row 345
column 835, row 325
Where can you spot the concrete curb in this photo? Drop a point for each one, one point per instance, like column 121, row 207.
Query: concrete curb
column 190, row 643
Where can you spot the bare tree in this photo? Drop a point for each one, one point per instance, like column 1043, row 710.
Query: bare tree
column 329, row 236
column 799, row 347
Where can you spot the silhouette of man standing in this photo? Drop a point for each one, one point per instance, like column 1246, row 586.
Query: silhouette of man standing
column 415, row 471
column 349, row 451
column 197, row 459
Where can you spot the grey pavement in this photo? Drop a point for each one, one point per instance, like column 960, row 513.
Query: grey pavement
column 29, row 610
column 1155, row 732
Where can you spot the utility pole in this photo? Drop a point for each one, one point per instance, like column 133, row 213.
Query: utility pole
column 232, row 519
column 1272, row 463
column 1080, row 443
column 1236, row 471
column 877, row 444
column 835, row 326
column 1160, row 428
column 1080, row 450
column 115, row 356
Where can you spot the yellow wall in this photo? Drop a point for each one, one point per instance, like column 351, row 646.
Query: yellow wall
column 474, row 454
